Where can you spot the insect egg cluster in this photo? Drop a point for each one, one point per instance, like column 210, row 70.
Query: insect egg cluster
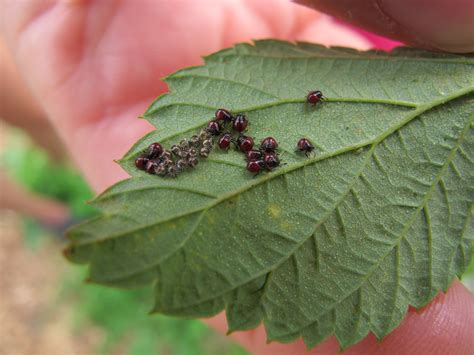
column 169, row 163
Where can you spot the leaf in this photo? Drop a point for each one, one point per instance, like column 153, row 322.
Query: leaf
column 339, row 243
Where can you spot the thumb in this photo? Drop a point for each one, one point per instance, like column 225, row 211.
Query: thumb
column 446, row 25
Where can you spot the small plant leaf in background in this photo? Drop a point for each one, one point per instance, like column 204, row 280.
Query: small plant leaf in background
column 342, row 242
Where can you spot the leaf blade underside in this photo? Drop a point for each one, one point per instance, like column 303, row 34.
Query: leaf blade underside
column 340, row 243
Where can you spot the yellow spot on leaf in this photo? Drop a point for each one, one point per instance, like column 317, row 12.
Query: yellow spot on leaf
column 274, row 210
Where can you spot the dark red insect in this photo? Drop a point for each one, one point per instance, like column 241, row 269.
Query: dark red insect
column 271, row 161
column 314, row 97
column 154, row 150
column 223, row 115
column 255, row 166
column 240, row 123
column 269, row 144
column 150, row 167
column 224, row 141
column 140, row 162
column 245, row 143
column 253, row 155
column 304, row 145
column 213, row 128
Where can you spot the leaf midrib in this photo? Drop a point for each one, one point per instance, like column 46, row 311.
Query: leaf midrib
column 375, row 141
column 281, row 101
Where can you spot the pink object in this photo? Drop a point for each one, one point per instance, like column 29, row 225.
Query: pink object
column 379, row 42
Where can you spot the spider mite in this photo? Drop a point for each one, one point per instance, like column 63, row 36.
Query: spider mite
column 314, row 97
column 305, row 146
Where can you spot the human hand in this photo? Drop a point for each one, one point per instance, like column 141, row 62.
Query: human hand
column 94, row 66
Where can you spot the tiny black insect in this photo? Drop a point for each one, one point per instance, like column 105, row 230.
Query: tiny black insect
column 223, row 115
column 244, row 143
column 154, row 150
column 268, row 144
column 213, row 128
column 240, row 123
column 304, row 145
column 314, row 97
column 224, row 141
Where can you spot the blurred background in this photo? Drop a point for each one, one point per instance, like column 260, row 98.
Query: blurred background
column 45, row 306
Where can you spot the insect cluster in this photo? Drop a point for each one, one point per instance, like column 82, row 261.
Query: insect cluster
column 159, row 161
column 227, row 130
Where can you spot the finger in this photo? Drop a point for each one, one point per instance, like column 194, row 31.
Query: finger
column 446, row 25
column 443, row 327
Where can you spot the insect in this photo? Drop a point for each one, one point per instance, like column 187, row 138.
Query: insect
column 154, row 150
column 253, row 155
column 176, row 150
column 161, row 169
column 192, row 162
column 204, row 152
column 240, row 123
column 140, row 162
column 304, row 145
column 204, row 134
column 255, row 166
column 271, row 161
column 166, row 154
column 245, row 143
column 172, row 171
column 268, row 144
column 208, row 143
column 314, row 97
column 150, row 167
column 223, row 115
column 194, row 141
column 213, row 128
column 224, row 141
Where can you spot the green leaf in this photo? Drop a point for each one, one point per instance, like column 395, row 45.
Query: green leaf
column 339, row 243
